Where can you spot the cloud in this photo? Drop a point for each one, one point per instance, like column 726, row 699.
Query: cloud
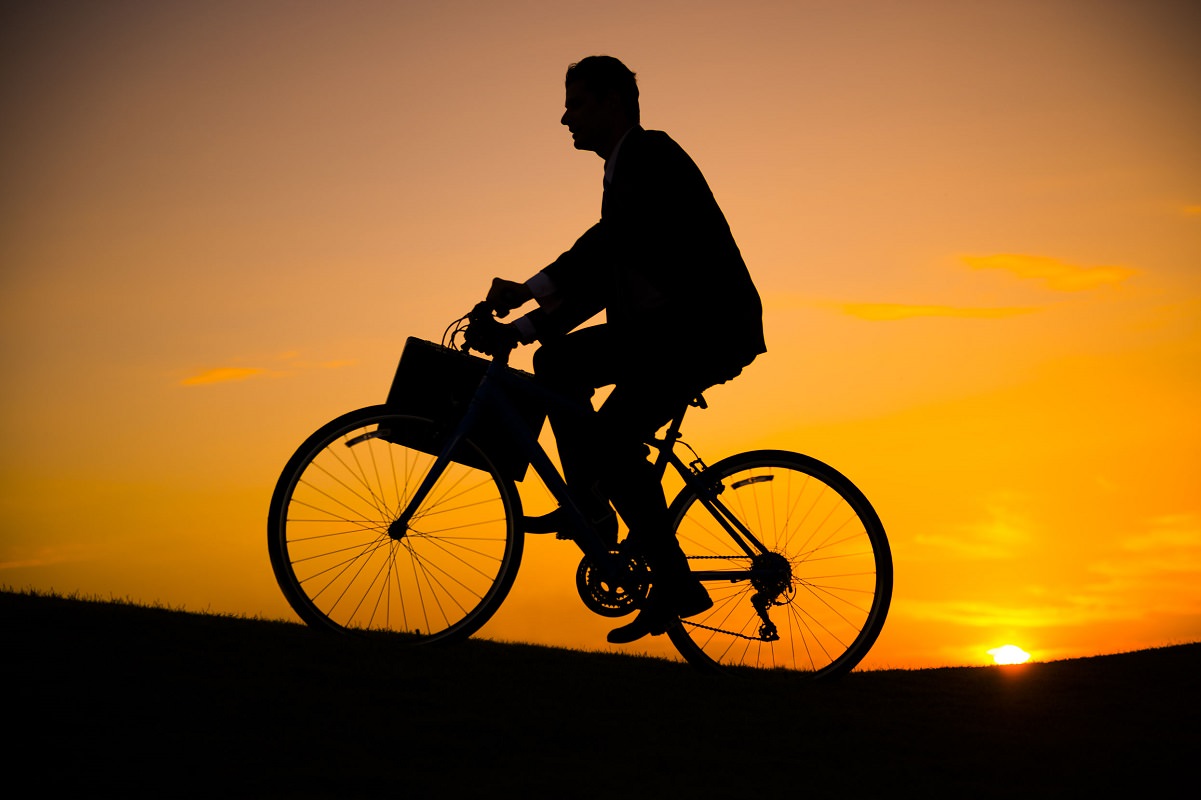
column 345, row 362
column 1071, row 611
column 233, row 374
column 1192, row 211
column 1055, row 274
column 1176, row 534
column 46, row 556
column 885, row 312
column 1166, row 554
column 964, row 548
column 224, row 375
column 1004, row 533
column 1157, row 568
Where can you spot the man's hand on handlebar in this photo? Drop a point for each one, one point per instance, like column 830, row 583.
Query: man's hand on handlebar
column 484, row 334
column 504, row 296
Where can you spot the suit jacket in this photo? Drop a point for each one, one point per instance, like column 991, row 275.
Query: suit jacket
column 663, row 264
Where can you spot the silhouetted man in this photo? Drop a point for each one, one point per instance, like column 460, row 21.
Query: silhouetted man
column 681, row 315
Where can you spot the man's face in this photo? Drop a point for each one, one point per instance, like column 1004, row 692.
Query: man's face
column 590, row 118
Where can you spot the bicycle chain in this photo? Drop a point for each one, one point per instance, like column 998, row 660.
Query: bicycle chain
column 735, row 634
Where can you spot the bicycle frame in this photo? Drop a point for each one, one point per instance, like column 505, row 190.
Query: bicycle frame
column 804, row 571
column 493, row 392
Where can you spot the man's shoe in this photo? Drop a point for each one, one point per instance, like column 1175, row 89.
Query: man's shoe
column 663, row 606
column 649, row 622
column 692, row 600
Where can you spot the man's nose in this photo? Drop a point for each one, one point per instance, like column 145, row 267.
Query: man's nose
column 563, row 119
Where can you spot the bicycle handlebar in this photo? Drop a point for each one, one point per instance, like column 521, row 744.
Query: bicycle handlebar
column 484, row 334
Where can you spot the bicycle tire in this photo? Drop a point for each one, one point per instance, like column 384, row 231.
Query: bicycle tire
column 334, row 556
column 838, row 587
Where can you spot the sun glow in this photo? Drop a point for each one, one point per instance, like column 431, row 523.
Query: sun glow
column 1009, row 654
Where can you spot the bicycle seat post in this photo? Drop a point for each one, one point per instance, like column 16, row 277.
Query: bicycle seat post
column 672, row 435
column 673, row 430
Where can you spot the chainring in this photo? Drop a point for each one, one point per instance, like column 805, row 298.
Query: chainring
column 616, row 588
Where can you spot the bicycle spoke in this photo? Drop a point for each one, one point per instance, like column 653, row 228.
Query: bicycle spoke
column 343, row 563
column 816, row 599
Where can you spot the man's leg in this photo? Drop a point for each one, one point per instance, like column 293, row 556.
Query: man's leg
column 637, row 494
column 640, row 404
column 609, row 452
column 575, row 366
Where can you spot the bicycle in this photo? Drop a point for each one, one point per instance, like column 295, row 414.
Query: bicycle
column 405, row 517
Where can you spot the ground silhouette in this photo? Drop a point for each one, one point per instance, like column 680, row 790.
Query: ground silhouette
column 112, row 697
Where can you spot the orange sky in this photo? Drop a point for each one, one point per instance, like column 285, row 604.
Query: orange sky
column 976, row 228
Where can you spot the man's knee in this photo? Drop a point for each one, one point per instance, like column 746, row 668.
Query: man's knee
column 555, row 367
column 548, row 360
column 578, row 362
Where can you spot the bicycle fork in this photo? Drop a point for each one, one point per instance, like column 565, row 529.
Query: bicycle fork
column 400, row 526
column 584, row 535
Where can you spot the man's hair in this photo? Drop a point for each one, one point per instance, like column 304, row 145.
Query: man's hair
column 604, row 74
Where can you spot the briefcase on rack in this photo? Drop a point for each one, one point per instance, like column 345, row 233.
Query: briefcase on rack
column 438, row 383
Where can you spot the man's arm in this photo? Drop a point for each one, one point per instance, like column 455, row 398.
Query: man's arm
column 504, row 296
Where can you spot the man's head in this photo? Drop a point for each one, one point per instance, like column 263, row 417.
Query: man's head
column 601, row 103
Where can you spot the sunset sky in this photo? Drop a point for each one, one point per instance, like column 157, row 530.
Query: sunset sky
column 976, row 227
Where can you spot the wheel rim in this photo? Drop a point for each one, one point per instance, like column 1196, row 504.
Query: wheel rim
column 345, row 563
column 823, row 587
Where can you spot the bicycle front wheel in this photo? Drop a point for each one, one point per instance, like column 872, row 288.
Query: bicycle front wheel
column 342, row 563
column 809, row 593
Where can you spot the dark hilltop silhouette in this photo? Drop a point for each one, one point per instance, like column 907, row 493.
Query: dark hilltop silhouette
column 109, row 698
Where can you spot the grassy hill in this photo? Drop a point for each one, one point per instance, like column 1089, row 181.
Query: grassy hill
column 110, row 697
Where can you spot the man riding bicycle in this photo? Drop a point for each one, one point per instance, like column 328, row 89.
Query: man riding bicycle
column 682, row 314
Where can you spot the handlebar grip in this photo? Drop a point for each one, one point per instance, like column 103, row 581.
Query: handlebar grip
column 485, row 335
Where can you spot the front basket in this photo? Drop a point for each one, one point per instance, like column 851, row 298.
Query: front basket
column 437, row 383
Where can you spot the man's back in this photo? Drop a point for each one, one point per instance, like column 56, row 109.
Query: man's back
column 662, row 260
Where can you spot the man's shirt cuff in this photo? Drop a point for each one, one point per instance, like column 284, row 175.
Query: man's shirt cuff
column 525, row 329
column 540, row 286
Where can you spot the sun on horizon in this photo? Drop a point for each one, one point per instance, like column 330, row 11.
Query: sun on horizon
column 1009, row 654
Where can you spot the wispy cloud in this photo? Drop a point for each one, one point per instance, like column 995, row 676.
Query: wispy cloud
column 1055, row 274
column 224, row 375
column 1003, row 533
column 883, row 312
column 1078, row 610
column 1169, row 533
column 290, row 365
column 45, row 556
column 1192, row 211
column 1156, row 570
column 1164, row 556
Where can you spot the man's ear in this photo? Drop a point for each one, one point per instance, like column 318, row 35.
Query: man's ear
column 611, row 102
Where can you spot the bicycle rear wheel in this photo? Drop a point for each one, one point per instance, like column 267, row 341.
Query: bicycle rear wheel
column 343, row 565
column 823, row 582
